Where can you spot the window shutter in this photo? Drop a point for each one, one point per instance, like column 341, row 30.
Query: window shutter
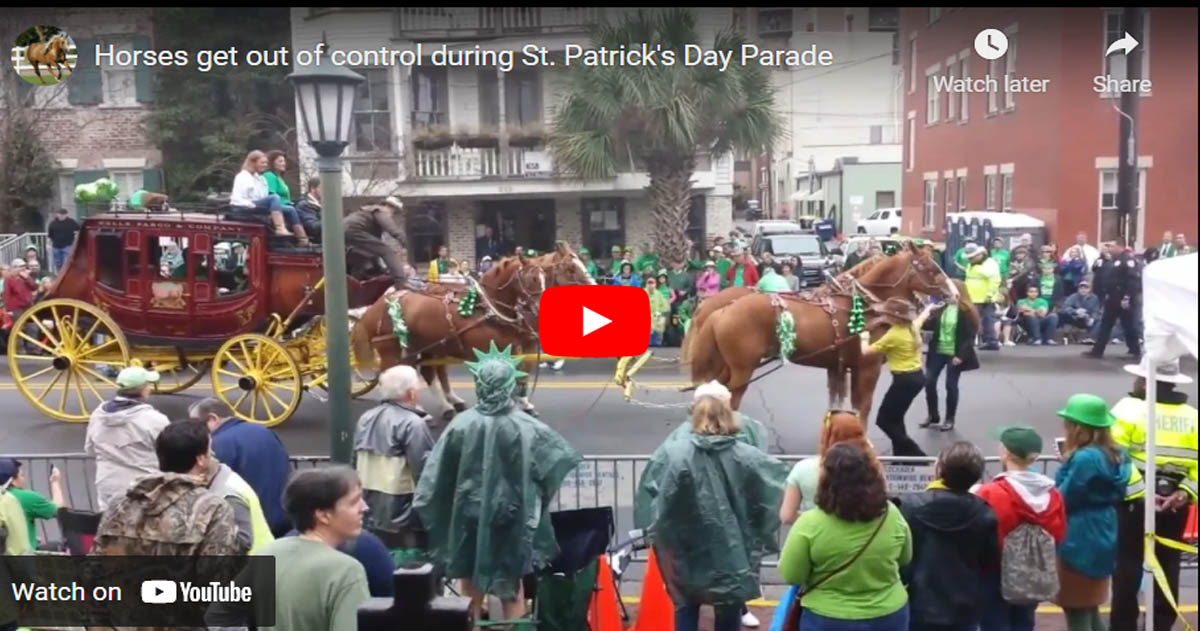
column 84, row 86
column 152, row 180
column 143, row 78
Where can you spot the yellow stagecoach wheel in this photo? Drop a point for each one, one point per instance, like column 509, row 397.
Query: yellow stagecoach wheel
column 175, row 378
column 63, row 355
column 257, row 378
column 360, row 381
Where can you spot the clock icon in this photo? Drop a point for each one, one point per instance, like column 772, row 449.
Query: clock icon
column 991, row 43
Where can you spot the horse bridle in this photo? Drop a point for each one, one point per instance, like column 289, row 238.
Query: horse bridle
column 915, row 264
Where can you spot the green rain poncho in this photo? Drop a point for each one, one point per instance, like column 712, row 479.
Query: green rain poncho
column 711, row 505
column 772, row 282
column 484, row 494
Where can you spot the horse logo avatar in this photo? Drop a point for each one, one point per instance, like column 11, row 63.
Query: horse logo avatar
column 44, row 55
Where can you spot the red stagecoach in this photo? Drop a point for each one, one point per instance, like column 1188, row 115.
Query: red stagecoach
column 187, row 294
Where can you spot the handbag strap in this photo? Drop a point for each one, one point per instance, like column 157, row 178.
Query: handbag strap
column 842, row 567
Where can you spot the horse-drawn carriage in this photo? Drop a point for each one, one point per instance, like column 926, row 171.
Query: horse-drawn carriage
column 187, row 294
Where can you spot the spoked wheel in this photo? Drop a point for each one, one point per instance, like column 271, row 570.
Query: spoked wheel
column 175, row 378
column 258, row 378
column 63, row 355
column 361, row 382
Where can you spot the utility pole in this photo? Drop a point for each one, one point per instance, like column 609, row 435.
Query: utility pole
column 1127, row 169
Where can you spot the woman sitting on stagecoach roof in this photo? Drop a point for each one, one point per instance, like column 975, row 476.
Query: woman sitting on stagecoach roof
column 250, row 193
column 276, row 166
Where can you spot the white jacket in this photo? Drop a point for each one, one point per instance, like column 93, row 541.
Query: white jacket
column 248, row 188
column 120, row 436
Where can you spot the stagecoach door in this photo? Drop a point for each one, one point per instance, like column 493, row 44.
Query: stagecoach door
column 172, row 258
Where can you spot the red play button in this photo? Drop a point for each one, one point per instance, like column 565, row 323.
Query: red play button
column 594, row 321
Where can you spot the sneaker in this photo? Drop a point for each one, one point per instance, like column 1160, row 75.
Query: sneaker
column 1088, row 340
column 1050, row 343
column 1009, row 343
column 929, row 420
column 749, row 621
column 1035, row 343
column 558, row 364
column 947, row 425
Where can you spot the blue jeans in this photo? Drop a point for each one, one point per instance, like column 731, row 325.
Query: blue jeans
column 987, row 314
column 933, row 368
column 728, row 618
column 1001, row 616
column 1040, row 328
column 656, row 339
column 898, row 621
column 60, row 257
column 271, row 203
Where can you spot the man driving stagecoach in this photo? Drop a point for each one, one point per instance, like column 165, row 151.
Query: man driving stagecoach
column 364, row 230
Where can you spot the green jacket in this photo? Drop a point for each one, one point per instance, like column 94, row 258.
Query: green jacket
column 646, row 263
column 1001, row 255
column 276, row 186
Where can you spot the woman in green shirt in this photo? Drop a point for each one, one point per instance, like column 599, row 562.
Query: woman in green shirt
column 951, row 347
column 277, row 162
column 848, row 551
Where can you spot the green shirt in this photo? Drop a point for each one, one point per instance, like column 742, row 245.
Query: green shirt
column 870, row 588
column 35, row 506
column 277, row 186
column 679, row 280
column 1001, row 255
column 804, row 477
column 1036, row 304
column 738, row 276
column 947, row 324
column 646, row 263
column 1046, row 284
column 723, row 266
column 317, row 587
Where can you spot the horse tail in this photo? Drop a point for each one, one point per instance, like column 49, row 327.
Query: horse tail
column 360, row 339
column 706, row 359
column 685, row 347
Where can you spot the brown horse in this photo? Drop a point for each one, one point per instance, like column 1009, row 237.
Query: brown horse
column 507, row 315
column 731, row 341
column 52, row 53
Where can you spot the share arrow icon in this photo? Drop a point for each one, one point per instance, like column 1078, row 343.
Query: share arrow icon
column 1125, row 44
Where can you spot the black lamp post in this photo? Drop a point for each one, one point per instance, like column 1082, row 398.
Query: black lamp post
column 325, row 93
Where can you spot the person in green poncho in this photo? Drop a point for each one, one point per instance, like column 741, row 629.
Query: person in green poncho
column 485, row 493
column 660, row 310
column 772, row 282
column 274, row 177
column 709, row 503
column 646, row 263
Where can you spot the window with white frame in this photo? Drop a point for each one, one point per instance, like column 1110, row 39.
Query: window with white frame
column 989, row 191
column 1006, row 192
column 962, row 193
column 911, row 137
column 965, row 73
column 1010, row 71
column 1114, row 29
column 912, row 65
column 948, row 194
column 997, row 84
column 931, row 97
column 951, row 98
column 127, row 183
column 1110, row 218
column 929, row 217
column 118, row 83
column 372, row 112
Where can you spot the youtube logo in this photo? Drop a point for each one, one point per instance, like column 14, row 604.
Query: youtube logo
column 594, row 321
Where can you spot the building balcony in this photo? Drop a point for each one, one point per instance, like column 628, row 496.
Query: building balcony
column 468, row 163
column 434, row 23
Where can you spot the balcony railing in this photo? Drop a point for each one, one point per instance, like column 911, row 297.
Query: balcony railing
column 465, row 163
column 467, row 22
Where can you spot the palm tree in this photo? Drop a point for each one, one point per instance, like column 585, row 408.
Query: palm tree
column 662, row 115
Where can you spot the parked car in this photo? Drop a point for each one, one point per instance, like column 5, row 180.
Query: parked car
column 776, row 226
column 882, row 222
column 814, row 256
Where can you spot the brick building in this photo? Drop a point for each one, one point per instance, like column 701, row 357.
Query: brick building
column 463, row 145
column 1052, row 155
column 92, row 122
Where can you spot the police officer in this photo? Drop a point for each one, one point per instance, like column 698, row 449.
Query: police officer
column 364, row 230
column 1121, row 276
column 1175, row 462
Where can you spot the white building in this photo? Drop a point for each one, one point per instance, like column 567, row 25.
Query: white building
column 843, row 112
column 463, row 145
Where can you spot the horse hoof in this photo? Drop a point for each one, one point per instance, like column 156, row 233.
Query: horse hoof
column 448, row 415
column 460, row 407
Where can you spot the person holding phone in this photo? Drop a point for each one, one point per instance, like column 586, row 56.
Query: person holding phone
column 33, row 504
column 951, row 347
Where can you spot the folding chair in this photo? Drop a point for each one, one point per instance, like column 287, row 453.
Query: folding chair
column 78, row 529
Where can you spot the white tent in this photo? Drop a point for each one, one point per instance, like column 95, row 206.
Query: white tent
column 1169, row 312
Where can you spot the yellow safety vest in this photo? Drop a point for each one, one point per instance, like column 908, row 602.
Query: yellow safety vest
column 260, row 534
column 983, row 281
column 1175, row 441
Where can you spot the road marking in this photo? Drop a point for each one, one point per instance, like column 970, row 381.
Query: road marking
column 771, row 604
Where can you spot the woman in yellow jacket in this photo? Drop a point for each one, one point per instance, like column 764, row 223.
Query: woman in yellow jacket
column 901, row 345
column 441, row 265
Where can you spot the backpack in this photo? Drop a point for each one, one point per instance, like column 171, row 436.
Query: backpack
column 1028, row 567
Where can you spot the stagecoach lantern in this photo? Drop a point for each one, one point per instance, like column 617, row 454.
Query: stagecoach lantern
column 326, row 94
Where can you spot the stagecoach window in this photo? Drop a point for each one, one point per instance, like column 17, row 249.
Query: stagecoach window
column 168, row 259
column 231, row 265
column 108, row 262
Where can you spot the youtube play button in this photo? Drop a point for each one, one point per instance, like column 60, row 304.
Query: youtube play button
column 594, row 321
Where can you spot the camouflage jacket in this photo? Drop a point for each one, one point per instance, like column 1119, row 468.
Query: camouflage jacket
column 168, row 514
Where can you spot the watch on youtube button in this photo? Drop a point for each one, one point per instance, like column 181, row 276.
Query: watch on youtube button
column 594, row 321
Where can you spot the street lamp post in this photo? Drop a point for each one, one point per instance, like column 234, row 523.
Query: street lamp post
column 325, row 94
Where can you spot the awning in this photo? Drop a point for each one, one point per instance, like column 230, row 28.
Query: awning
column 801, row 196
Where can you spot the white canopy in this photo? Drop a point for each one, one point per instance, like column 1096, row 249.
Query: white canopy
column 1169, row 299
column 1000, row 220
column 804, row 196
